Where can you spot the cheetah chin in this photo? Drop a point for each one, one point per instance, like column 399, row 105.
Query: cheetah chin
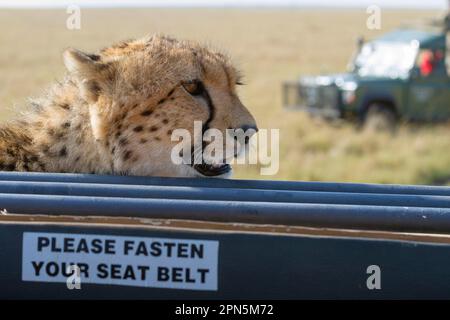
column 214, row 170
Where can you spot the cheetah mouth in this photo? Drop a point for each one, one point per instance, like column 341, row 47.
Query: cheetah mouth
column 212, row 170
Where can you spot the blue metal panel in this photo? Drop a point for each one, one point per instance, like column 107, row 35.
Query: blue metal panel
column 318, row 215
column 251, row 265
column 217, row 183
column 336, row 205
column 225, row 194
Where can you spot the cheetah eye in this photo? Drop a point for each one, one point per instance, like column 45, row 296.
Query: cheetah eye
column 194, row 87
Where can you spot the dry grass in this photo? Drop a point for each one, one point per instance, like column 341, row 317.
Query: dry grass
column 269, row 46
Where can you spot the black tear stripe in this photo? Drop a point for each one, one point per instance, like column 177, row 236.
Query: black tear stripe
column 205, row 93
column 211, row 114
column 212, row 111
column 211, row 108
column 209, row 102
column 205, row 126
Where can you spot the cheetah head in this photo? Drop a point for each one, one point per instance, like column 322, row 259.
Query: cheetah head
column 138, row 92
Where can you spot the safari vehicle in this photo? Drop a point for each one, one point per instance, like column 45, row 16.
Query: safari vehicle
column 400, row 75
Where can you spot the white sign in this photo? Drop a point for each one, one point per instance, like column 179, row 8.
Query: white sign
column 120, row 260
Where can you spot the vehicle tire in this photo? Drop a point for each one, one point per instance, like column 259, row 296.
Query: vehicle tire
column 380, row 118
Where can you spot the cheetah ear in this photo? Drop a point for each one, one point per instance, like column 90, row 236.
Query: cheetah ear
column 82, row 64
column 88, row 70
column 91, row 75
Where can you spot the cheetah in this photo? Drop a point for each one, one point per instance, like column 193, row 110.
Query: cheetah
column 116, row 109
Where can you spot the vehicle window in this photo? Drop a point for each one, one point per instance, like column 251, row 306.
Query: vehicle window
column 386, row 59
column 428, row 61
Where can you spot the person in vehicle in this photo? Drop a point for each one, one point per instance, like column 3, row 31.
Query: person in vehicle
column 427, row 63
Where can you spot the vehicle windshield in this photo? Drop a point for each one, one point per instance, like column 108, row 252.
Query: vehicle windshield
column 386, row 59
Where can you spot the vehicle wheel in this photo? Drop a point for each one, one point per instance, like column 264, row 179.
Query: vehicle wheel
column 380, row 118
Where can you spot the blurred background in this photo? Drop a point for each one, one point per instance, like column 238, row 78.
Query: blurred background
column 271, row 42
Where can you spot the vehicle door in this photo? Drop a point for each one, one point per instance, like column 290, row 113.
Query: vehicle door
column 429, row 88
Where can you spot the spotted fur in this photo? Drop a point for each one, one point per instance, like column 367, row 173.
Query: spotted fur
column 115, row 111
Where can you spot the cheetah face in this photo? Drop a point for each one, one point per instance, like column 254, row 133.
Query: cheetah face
column 140, row 92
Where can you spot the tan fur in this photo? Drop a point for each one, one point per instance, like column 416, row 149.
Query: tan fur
column 115, row 111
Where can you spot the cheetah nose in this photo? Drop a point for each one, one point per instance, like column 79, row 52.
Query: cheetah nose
column 249, row 128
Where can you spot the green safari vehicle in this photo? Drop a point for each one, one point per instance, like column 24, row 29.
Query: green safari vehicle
column 400, row 75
